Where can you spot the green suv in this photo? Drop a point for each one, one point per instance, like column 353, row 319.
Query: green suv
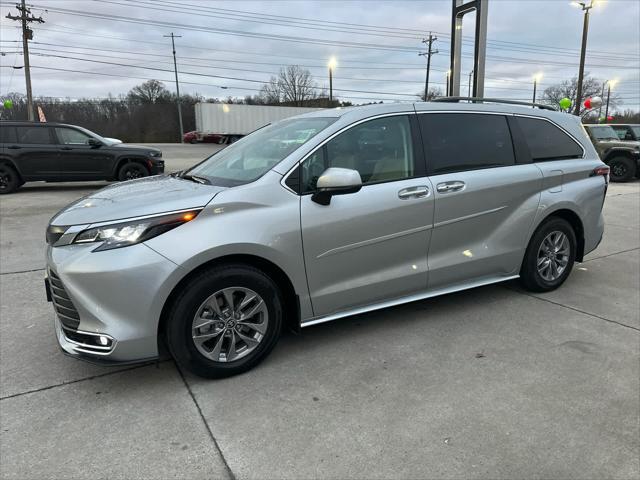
column 622, row 156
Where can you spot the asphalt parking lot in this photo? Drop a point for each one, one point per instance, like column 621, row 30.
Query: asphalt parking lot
column 489, row 383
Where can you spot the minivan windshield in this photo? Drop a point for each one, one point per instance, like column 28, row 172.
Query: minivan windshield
column 603, row 132
column 254, row 155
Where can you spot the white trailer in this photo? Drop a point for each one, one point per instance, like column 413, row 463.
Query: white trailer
column 232, row 121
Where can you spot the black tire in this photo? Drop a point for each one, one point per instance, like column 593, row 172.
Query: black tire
column 131, row 171
column 193, row 141
column 189, row 301
column 622, row 169
column 234, row 139
column 9, row 179
column 530, row 277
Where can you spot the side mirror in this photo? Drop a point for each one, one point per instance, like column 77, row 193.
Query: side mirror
column 336, row 181
column 94, row 142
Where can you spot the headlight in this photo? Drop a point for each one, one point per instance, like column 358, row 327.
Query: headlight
column 123, row 234
column 155, row 154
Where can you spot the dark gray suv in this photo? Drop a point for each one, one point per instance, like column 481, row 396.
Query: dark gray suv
column 55, row 152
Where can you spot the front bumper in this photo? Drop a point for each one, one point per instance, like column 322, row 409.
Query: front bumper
column 108, row 304
column 156, row 166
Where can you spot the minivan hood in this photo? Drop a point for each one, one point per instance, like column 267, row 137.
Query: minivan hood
column 135, row 198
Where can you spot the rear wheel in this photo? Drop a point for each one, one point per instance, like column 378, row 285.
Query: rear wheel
column 622, row 169
column 9, row 179
column 132, row 170
column 549, row 257
column 225, row 321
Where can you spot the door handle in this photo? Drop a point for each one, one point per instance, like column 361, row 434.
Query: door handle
column 447, row 187
column 419, row 191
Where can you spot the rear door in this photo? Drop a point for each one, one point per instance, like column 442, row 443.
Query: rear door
column 78, row 159
column 368, row 246
column 485, row 202
column 35, row 152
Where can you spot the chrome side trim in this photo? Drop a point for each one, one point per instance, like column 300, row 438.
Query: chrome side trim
column 407, row 299
column 332, row 136
column 372, row 241
column 467, row 217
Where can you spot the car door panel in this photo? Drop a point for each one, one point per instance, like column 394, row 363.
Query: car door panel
column 35, row 152
column 366, row 247
column 481, row 230
column 79, row 160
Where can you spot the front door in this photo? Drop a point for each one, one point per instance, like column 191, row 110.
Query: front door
column 485, row 203
column 78, row 159
column 371, row 245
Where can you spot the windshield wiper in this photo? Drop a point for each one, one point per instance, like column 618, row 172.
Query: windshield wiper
column 196, row 178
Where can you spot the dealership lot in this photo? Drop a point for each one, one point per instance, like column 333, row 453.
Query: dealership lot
column 493, row 382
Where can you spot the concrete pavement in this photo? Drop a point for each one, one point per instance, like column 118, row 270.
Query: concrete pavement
column 488, row 383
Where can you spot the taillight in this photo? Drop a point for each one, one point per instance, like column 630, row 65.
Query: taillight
column 604, row 171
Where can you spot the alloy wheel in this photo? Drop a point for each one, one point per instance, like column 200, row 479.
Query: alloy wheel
column 553, row 256
column 230, row 324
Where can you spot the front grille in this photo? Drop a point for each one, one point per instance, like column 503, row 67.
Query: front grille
column 63, row 305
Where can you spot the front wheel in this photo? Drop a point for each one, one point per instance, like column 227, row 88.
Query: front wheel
column 131, row 171
column 622, row 169
column 549, row 257
column 226, row 321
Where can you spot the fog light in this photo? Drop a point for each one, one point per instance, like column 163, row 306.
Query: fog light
column 103, row 341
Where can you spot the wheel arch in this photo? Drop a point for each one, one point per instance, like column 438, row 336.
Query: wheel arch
column 12, row 164
column 292, row 314
column 130, row 158
column 576, row 223
column 611, row 154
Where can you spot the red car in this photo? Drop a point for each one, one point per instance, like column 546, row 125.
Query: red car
column 198, row 137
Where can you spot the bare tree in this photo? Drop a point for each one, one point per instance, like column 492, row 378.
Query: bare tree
column 433, row 93
column 271, row 92
column 591, row 87
column 150, row 91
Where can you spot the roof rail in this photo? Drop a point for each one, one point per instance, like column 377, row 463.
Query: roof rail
column 492, row 100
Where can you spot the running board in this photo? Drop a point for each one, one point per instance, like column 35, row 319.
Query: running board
column 407, row 299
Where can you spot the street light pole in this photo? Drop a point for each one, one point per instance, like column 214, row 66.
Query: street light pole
column 536, row 78
column 175, row 69
column 610, row 83
column 585, row 31
column 470, row 75
column 448, row 75
column 332, row 64
column 604, row 84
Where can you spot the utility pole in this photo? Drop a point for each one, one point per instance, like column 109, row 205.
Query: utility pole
column 583, row 51
column 429, row 41
column 27, row 34
column 469, row 88
column 175, row 69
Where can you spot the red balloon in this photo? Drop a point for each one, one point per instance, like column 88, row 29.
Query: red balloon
column 609, row 117
column 587, row 103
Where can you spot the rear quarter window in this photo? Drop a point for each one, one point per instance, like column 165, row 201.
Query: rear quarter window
column 34, row 135
column 546, row 141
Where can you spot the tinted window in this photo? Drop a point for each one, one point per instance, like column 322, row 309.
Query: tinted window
column 624, row 133
column 380, row 150
column 7, row 134
column 33, row 135
column 546, row 141
column 70, row 136
column 465, row 141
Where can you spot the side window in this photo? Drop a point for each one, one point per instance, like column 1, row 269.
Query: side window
column 34, row 135
column 71, row 136
column 7, row 134
column 465, row 141
column 546, row 141
column 381, row 150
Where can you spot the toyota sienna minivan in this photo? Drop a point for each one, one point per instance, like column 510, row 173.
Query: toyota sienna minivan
column 317, row 217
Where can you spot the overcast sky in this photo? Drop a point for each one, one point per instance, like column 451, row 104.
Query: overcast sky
column 248, row 41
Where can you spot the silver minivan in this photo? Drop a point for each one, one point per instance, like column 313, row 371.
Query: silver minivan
column 317, row 217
